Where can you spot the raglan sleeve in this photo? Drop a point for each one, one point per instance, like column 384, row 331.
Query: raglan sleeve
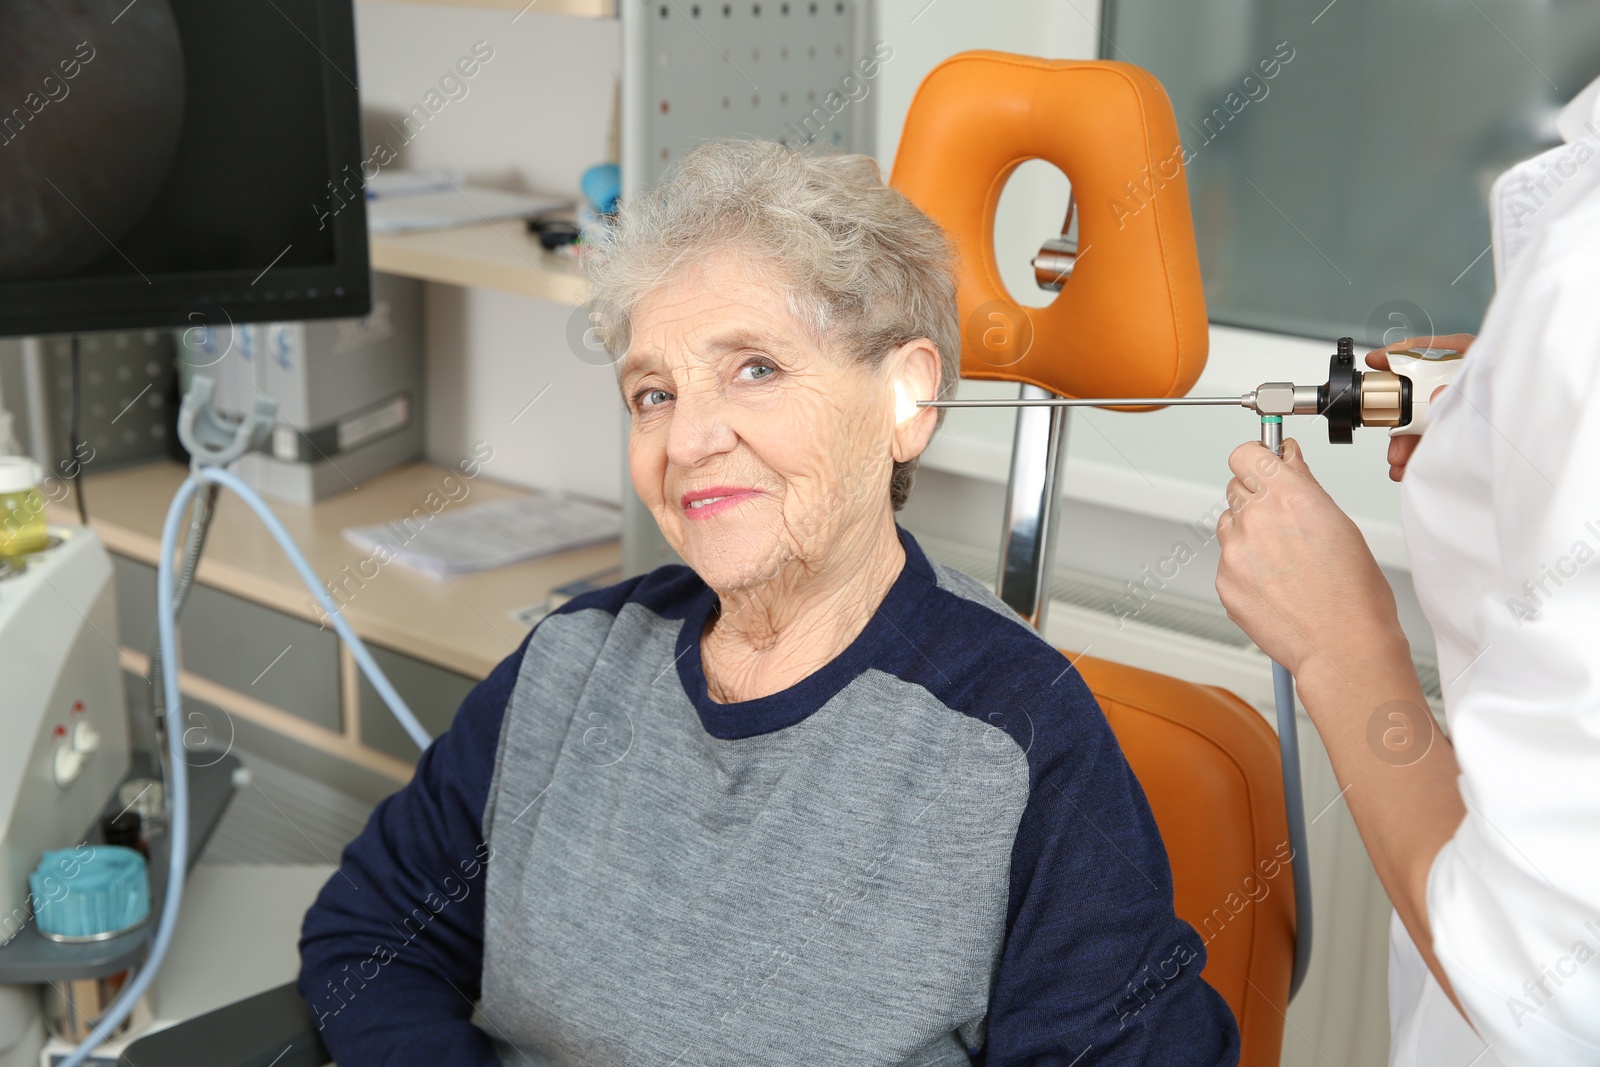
column 391, row 952
column 1096, row 966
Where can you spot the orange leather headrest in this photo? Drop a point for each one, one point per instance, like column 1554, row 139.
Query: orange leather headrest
column 1131, row 319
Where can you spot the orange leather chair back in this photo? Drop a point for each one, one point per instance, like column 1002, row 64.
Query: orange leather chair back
column 1208, row 764
column 1131, row 320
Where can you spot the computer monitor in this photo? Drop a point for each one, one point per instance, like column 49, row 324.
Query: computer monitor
column 168, row 163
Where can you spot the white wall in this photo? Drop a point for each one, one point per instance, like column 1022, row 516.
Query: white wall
column 534, row 116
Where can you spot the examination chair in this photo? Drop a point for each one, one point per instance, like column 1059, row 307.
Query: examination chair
column 1129, row 321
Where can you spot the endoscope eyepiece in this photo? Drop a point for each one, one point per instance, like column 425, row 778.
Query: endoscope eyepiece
column 1354, row 398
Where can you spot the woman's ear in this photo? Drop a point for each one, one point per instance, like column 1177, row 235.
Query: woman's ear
column 914, row 374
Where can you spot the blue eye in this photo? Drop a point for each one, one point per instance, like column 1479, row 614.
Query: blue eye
column 769, row 368
column 649, row 393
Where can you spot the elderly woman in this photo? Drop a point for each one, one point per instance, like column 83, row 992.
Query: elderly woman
column 811, row 799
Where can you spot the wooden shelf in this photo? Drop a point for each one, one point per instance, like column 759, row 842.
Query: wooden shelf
column 589, row 9
column 461, row 624
column 492, row 255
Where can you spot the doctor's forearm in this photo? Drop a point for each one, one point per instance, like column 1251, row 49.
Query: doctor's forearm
column 1405, row 806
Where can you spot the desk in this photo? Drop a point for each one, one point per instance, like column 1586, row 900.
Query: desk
column 461, row 625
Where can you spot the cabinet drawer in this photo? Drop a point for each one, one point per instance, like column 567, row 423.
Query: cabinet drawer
column 432, row 693
column 265, row 654
column 273, row 657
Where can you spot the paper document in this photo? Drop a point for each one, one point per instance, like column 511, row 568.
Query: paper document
column 464, row 205
column 391, row 182
column 410, row 182
column 490, row 535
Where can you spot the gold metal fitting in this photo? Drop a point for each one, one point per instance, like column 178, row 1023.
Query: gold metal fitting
column 1380, row 398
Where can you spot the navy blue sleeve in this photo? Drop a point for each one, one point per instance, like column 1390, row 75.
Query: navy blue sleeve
column 391, row 953
column 1097, row 968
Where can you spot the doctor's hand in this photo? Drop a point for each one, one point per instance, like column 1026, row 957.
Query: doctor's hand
column 1295, row 573
column 1400, row 448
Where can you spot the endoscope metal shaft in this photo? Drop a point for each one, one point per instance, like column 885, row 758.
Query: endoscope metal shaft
column 1089, row 402
column 1348, row 399
column 1272, row 398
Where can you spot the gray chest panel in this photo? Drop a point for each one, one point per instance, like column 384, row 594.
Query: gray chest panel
column 832, row 892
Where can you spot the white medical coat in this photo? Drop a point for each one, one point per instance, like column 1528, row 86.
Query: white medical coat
column 1501, row 507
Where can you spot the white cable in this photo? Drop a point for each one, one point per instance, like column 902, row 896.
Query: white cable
column 178, row 782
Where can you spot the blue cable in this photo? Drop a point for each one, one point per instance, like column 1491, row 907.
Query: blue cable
column 178, row 782
column 364, row 658
column 1295, row 811
column 1294, row 800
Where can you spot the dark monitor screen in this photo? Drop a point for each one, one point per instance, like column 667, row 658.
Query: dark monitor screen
column 165, row 162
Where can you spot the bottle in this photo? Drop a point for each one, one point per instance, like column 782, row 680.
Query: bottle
column 22, row 525
column 125, row 829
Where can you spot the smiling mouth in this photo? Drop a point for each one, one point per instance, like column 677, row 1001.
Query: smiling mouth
column 706, row 506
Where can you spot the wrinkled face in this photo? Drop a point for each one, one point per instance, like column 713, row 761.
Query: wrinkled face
column 760, row 454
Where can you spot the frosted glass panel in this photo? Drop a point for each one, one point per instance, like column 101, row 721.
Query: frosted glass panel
column 1340, row 157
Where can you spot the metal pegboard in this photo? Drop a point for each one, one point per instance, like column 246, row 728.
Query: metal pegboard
column 781, row 70
column 129, row 384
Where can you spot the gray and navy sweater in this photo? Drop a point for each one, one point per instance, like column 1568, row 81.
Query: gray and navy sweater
column 930, row 851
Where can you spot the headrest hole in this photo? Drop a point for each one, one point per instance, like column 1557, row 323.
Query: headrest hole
column 1032, row 207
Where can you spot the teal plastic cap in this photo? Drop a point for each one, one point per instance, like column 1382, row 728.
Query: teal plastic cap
column 90, row 892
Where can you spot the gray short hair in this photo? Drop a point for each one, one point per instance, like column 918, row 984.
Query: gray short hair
column 865, row 269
